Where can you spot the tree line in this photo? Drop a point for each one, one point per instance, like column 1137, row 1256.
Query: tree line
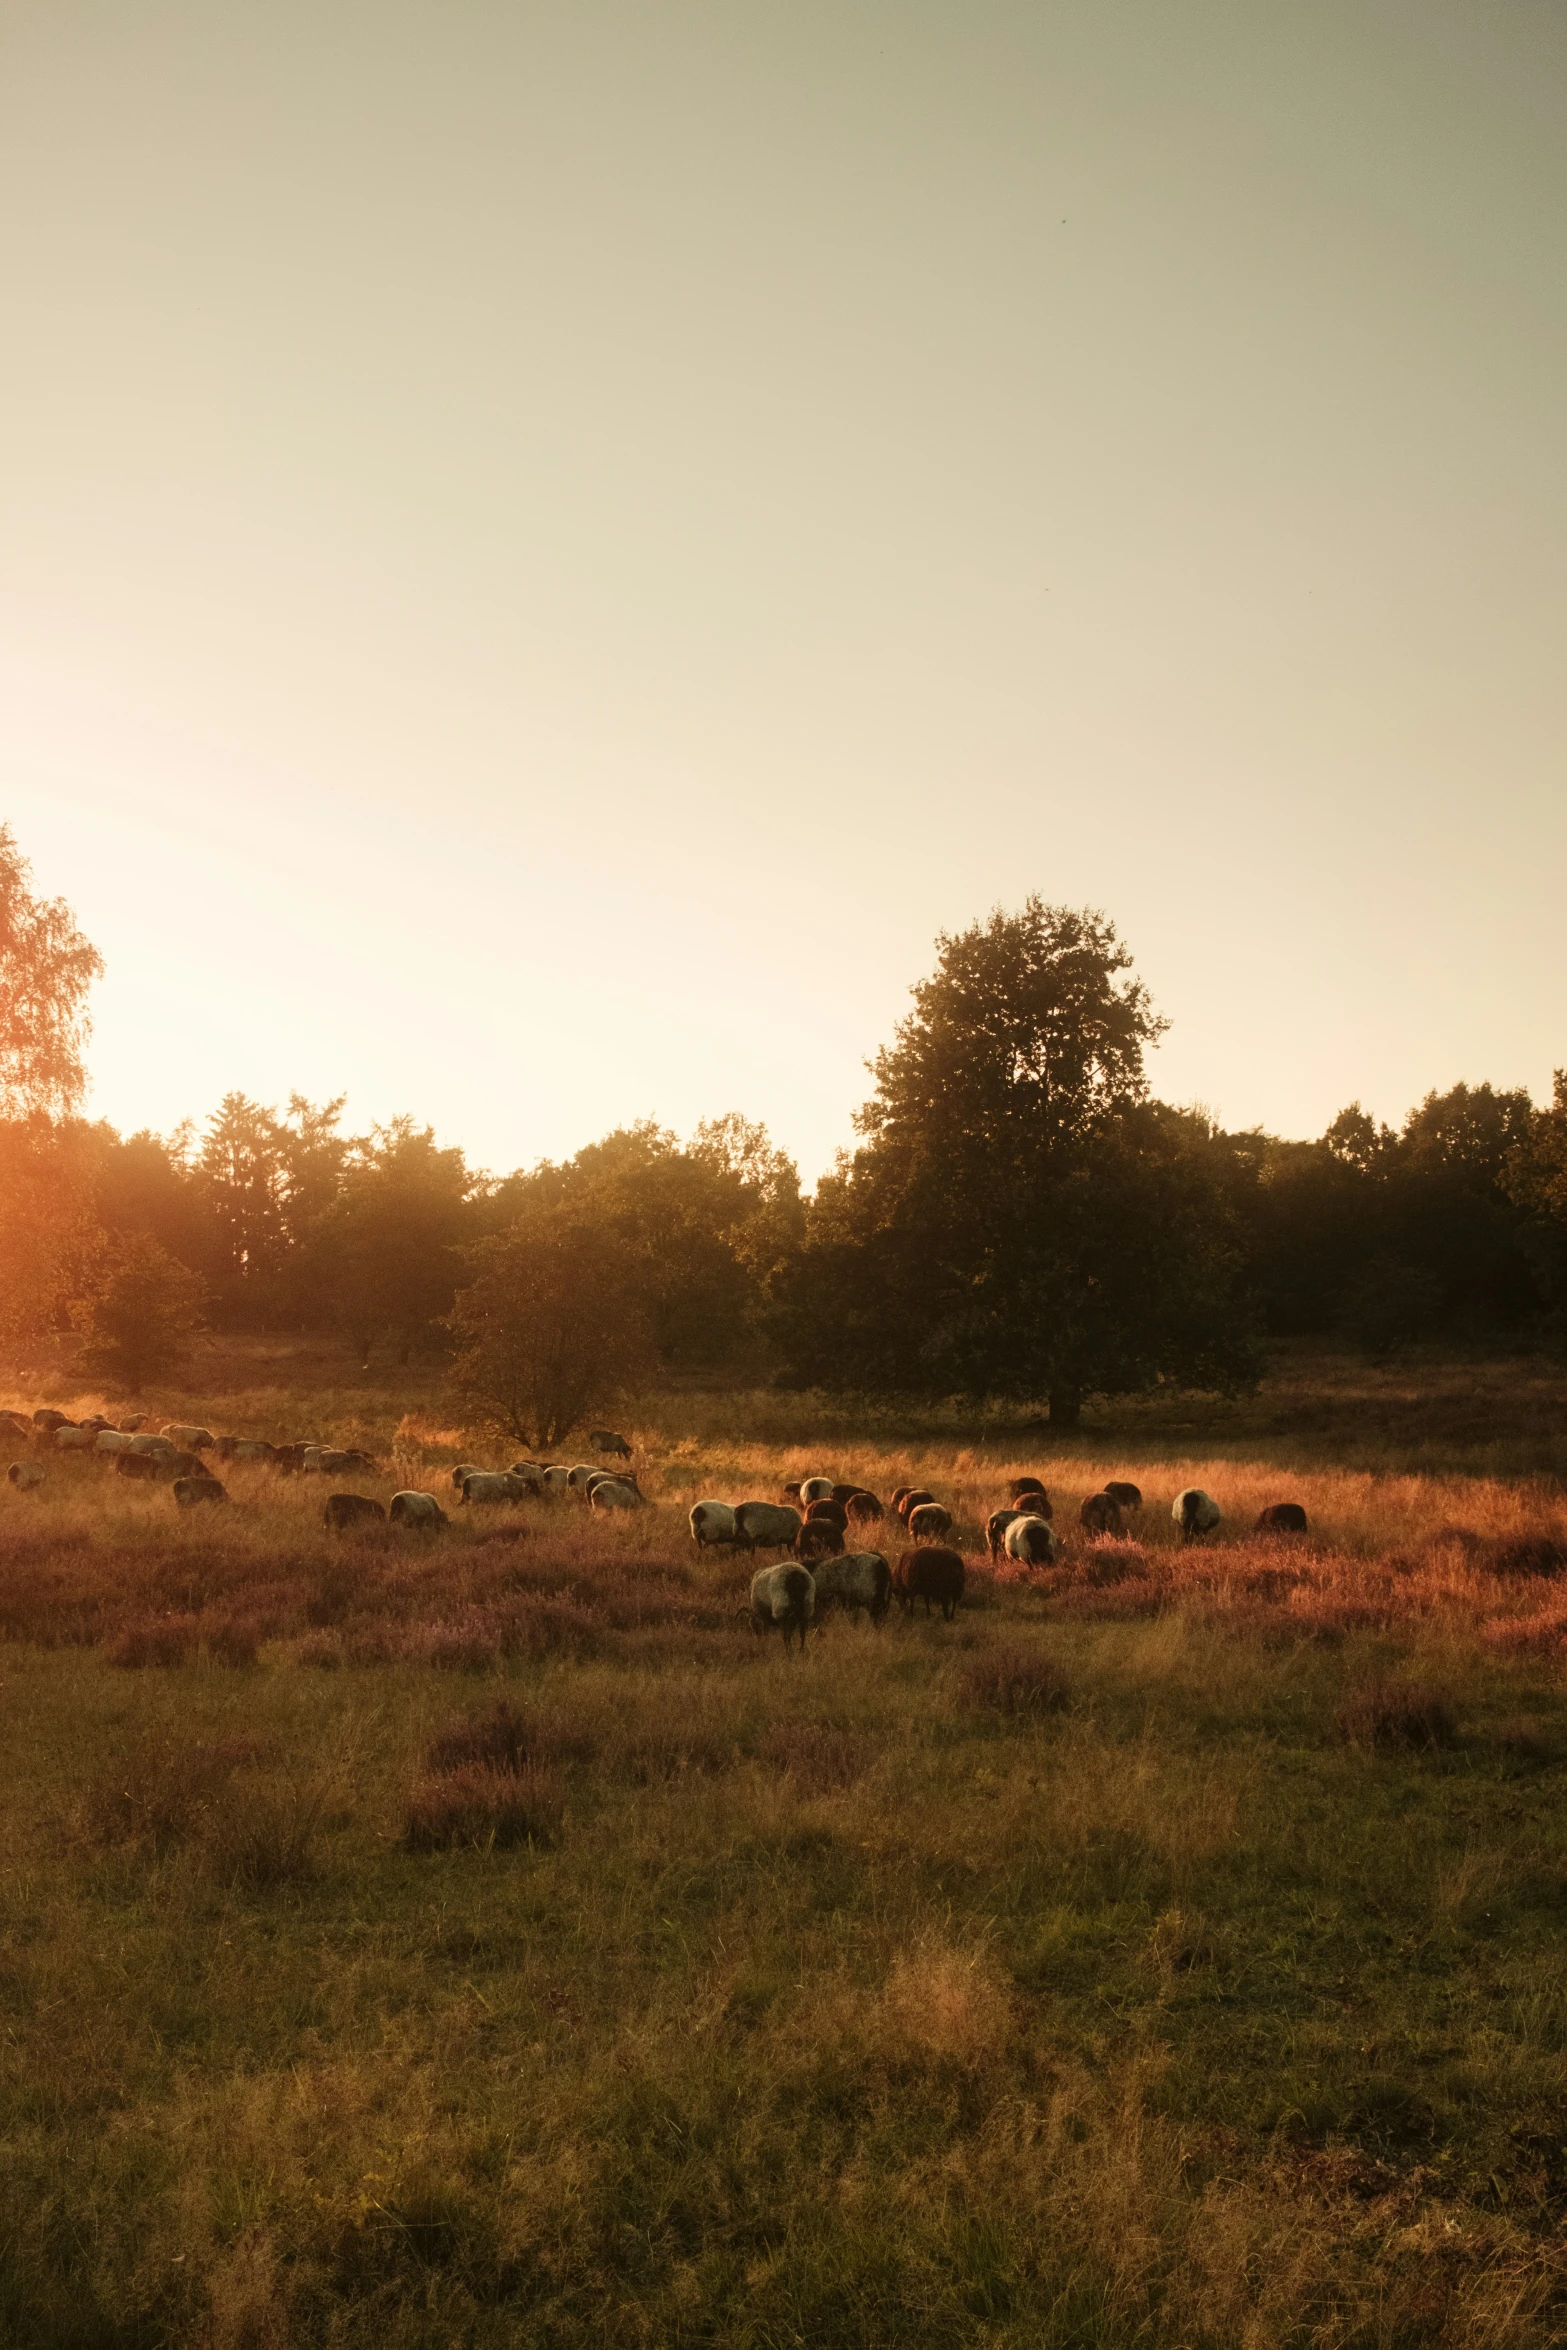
column 1020, row 1218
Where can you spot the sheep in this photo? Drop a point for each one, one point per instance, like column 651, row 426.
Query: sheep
column 70, row 1439
column 191, row 1492
column 529, row 1474
column 338, row 1462
column 111, row 1440
column 15, row 1424
column 830, row 1513
column 244, row 1448
column 934, row 1574
column 843, row 1494
column 491, row 1487
column 49, row 1419
column 1127, row 1498
column 132, row 1422
column 816, row 1489
column 895, row 1499
column 289, row 1459
column 711, row 1521
column 766, row 1525
column 1030, row 1488
column 605, row 1440
column 864, row 1508
column 929, row 1522
column 1195, row 1512
column 150, row 1444
column 791, row 1490
column 417, row 1509
column 137, row 1464
column 463, row 1471
column 915, row 1498
column 817, row 1539
column 615, row 1493
column 1282, row 1517
column 578, row 1477
column 995, row 1530
column 783, row 1599
column 342, row 1510
column 26, row 1476
column 1030, row 1541
column 859, row 1579
column 1100, row 1515
column 187, row 1439
column 556, row 1481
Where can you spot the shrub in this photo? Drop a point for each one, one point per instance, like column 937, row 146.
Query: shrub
column 154, row 1640
column 1015, row 1681
column 484, row 1808
column 1396, row 1716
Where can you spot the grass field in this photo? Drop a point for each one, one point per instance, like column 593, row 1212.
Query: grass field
column 487, row 1940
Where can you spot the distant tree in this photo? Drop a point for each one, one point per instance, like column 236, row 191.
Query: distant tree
column 550, row 1330
column 46, row 969
column 383, row 1257
column 48, row 1231
column 138, row 1315
column 1535, row 1181
column 1021, row 1220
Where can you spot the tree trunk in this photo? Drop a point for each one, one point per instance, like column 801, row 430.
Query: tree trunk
column 1065, row 1406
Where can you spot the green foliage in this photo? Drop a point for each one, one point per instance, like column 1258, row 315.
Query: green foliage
column 46, row 969
column 551, row 1329
column 384, row 1253
column 1021, row 1220
column 138, row 1315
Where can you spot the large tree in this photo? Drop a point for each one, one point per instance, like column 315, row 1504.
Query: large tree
column 1020, row 1219
column 46, row 969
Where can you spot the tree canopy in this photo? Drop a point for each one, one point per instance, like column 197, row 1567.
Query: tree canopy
column 46, row 969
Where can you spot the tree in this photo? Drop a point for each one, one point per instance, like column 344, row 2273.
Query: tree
column 46, row 969
column 384, row 1254
column 1021, row 1220
column 550, row 1329
column 139, row 1314
column 47, row 1228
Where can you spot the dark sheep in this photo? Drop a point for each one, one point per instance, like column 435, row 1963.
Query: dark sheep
column 343, row 1510
column 791, row 1491
column 191, row 1492
column 896, row 1499
column 931, row 1574
column 864, row 1507
column 996, row 1530
column 1126, row 1497
column 915, row 1497
column 831, row 1513
column 49, row 1419
column 929, row 1522
column 1020, row 1487
column 1282, row 1517
column 818, row 1538
column 1099, row 1515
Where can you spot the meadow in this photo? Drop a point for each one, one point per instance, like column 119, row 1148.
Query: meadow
column 486, row 1939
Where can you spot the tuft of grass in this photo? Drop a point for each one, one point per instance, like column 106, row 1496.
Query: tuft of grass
column 1395, row 1716
column 482, row 1807
column 1015, row 1680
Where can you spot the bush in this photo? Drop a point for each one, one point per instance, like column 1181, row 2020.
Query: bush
column 139, row 1316
column 1398, row 1716
column 483, row 1808
column 1015, row 1681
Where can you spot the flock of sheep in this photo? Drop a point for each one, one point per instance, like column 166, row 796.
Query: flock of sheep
column 812, row 1522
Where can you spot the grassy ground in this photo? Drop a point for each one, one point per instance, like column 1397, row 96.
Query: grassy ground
column 486, row 1940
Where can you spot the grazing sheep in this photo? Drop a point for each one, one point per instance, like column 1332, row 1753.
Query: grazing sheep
column 1282, row 1517
column 132, row 1422
column 26, row 1476
column 605, row 1440
column 929, row 1575
column 337, row 1462
column 342, row 1510
column 860, row 1579
column 70, row 1439
column 864, row 1507
column 1195, row 1512
column 49, row 1419
column 791, row 1491
column 245, row 1448
column 783, row 1599
column 1127, row 1498
column 14, row 1424
column 818, row 1538
column 492, row 1487
column 186, row 1439
column 463, row 1471
column 844, row 1494
column 191, row 1492
column 766, row 1525
column 831, row 1513
column 616, row 1493
column 529, row 1475
column 577, row 1477
column 1099, row 1516
column 711, row 1521
column 915, row 1497
column 816, row 1489
column 111, row 1440
column 556, row 1481
column 151, row 1444
column 137, row 1464
column 289, row 1459
column 417, row 1509
column 895, row 1500
column 1030, row 1541
column 1025, row 1488
column 929, row 1522
column 995, row 1530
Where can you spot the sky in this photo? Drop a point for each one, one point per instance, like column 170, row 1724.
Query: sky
column 546, row 552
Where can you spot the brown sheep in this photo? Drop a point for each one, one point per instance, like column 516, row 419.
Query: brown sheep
column 191, row 1492
column 929, row 1522
column 864, row 1507
column 1022, row 1487
column 929, row 1575
column 343, row 1510
column 915, row 1497
column 1126, row 1497
column 1099, row 1515
column 996, row 1530
column 831, row 1513
column 817, row 1539
column 1282, row 1517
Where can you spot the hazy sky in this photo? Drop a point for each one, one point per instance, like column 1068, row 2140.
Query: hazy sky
column 545, row 551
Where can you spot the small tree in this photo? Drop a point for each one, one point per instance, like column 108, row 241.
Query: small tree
column 139, row 1315
column 550, row 1330
column 46, row 968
